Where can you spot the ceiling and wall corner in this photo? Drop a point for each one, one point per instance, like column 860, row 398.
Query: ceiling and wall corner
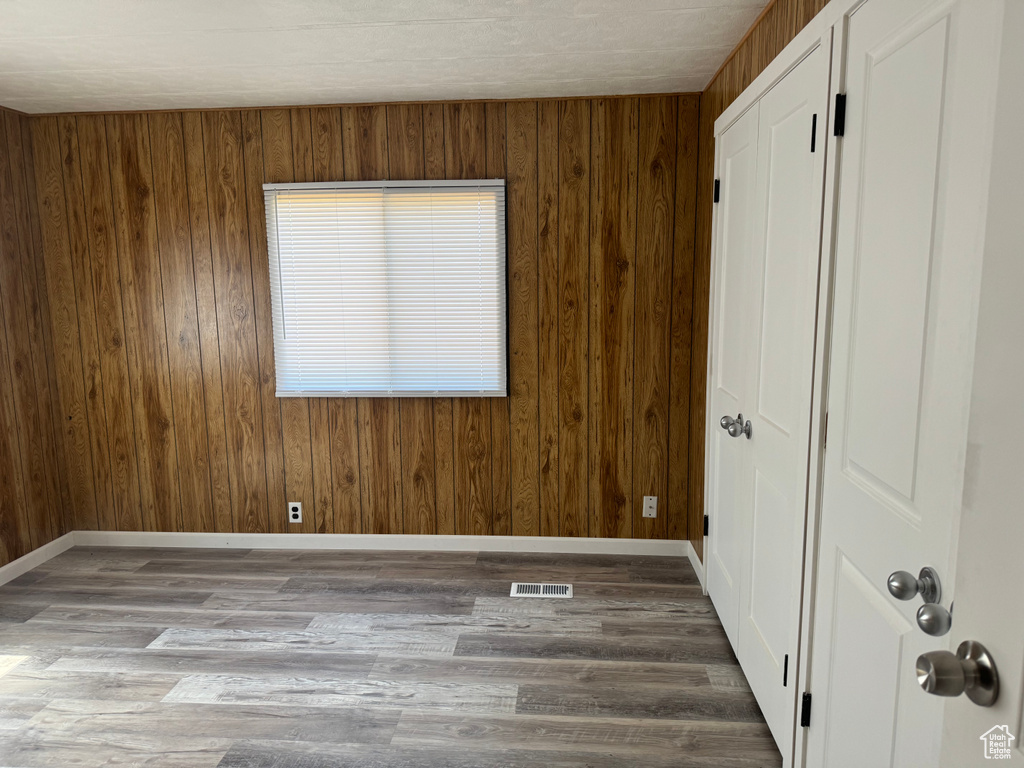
column 117, row 55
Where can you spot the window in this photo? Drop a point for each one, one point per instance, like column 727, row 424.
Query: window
column 388, row 289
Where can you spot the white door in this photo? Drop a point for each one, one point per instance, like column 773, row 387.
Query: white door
column 730, row 347
column 990, row 569
column 909, row 231
column 781, row 305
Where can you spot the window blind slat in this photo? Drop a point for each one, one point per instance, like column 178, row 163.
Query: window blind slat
column 388, row 290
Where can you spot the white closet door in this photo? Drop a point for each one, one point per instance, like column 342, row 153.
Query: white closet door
column 728, row 544
column 782, row 305
column 988, row 609
column 909, row 238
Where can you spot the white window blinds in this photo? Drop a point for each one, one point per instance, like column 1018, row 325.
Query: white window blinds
column 388, row 289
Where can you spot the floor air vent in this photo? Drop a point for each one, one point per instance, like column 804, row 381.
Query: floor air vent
column 541, row 590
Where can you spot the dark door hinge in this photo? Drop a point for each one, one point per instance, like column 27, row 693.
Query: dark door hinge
column 805, row 711
column 839, row 128
column 718, row 187
column 785, row 671
column 824, row 437
column 705, row 525
column 814, row 130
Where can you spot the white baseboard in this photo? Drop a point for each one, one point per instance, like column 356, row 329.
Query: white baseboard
column 341, row 541
column 36, row 557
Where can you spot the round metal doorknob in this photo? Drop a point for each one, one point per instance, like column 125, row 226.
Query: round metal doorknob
column 726, row 422
column 934, row 620
column 904, row 586
column 971, row 670
column 739, row 427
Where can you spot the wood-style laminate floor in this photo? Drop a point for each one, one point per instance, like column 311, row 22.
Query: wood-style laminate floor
column 315, row 659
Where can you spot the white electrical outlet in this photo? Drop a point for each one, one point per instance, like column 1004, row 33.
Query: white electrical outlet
column 294, row 511
column 650, row 506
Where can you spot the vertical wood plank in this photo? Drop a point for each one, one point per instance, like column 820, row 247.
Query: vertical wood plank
column 131, row 176
column 365, row 143
column 62, row 513
column 17, row 501
column 181, row 320
column 501, row 416
column 364, row 131
column 94, row 401
column 287, row 157
column 380, row 451
column 574, row 315
column 613, row 187
column 255, row 225
column 406, row 161
column 15, row 537
column 682, row 314
column 465, row 139
column 320, row 451
column 444, row 464
column 328, row 161
column 652, row 328
column 44, row 526
column 63, row 311
column 443, row 411
column 222, row 136
column 302, row 143
column 547, row 313
column 405, row 141
column 206, row 315
column 473, row 501
column 104, row 274
column 417, row 450
column 433, row 141
column 344, row 429
column 15, row 255
column 523, row 316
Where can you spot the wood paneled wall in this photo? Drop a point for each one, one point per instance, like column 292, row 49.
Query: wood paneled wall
column 31, row 508
column 779, row 24
column 154, row 243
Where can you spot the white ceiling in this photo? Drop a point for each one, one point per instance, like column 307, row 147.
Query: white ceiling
column 84, row 55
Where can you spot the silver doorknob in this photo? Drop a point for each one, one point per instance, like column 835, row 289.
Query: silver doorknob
column 739, row 427
column 904, row 586
column 726, row 421
column 934, row 620
column 971, row 670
